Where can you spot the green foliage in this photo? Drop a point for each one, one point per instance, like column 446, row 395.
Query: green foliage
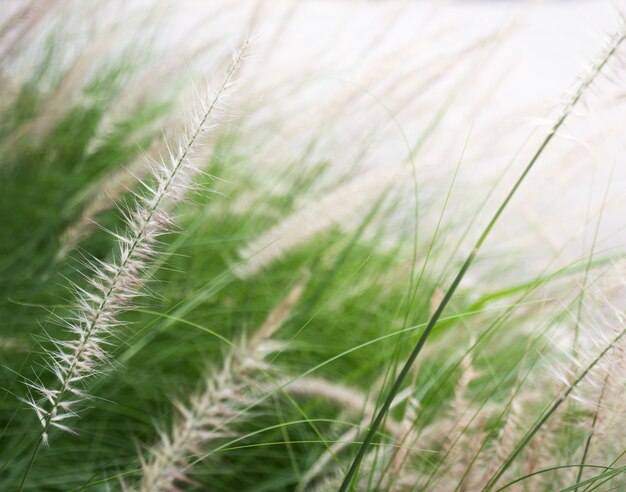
column 354, row 325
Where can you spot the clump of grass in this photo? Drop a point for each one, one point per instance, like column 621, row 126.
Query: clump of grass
column 584, row 85
column 518, row 383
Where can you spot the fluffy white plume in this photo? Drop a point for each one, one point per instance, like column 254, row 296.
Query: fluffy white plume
column 209, row 412
column 115, row 284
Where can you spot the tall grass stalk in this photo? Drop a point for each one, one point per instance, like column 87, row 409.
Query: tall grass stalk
column 115, row 284
column 618, row 38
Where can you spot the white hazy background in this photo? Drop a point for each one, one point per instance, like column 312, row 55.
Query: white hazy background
column 369, row 78
column 361, row 83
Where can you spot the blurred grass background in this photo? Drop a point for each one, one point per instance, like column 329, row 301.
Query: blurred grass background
column 369, row 182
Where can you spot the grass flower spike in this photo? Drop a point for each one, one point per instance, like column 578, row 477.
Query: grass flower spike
column 206, row 416
column 115, row 284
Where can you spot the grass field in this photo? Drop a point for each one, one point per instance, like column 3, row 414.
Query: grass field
column 228, row 264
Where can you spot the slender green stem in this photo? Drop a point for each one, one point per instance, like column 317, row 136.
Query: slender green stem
column 610, row 465
column 554, row 468
column 547, row 414
column 397, row 385
column 583, row 459
column 31, row 462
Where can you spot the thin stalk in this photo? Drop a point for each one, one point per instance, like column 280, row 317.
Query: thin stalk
column 610, row 465
column 548, row 413
column 579, row 476
column 554, row 468
column 367, row 441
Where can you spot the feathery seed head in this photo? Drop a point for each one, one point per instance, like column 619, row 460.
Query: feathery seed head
column 114, row 285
